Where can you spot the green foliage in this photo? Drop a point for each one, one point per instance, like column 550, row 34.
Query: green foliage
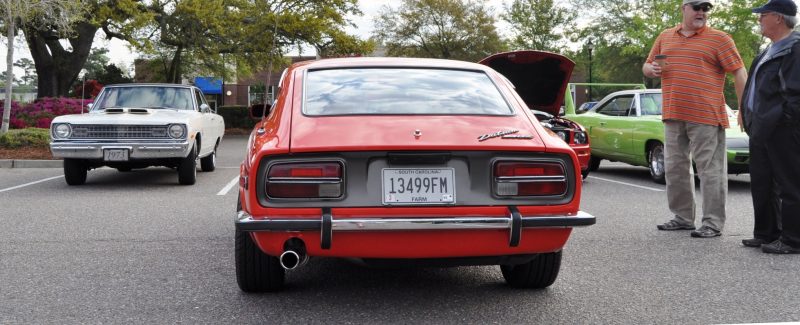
column 236, row 117
column 95, row 63
column 624, row 32
column 30, row 78
column 30, row 137
column 224, row 37
column 538, row 25
column 447, row 29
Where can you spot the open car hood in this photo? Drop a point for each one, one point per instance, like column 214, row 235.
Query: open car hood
column 539, row 77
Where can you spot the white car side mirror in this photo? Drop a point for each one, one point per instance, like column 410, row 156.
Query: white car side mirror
column 204, row 108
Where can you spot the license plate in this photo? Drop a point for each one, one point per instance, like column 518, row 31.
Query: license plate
column 115, row 155
column 418, row 186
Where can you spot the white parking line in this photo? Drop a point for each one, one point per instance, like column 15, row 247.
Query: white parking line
column 228, row 187
column 31, row 183
column 629, row 184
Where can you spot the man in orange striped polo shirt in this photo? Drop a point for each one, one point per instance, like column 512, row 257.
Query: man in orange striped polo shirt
column 693, row 77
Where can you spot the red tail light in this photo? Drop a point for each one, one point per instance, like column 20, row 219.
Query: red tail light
column 306, row 180
column 518, row 178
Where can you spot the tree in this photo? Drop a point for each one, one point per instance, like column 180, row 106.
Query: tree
column 448, row 29
column 96, row 62
column 58, row 65
column 4, row 77
column 198, row 35
column 624, row 32
column 539, row 25
column 112, row 74
column 30, row 78
column 32, row 13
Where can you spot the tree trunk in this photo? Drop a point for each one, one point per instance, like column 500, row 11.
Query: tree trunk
column 9, row 75
column 174, row 73
column 58, row 68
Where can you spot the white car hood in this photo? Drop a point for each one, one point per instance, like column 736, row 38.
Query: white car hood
column 139, row 116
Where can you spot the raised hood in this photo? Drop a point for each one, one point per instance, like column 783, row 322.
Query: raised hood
column 393, row 132
column 540, row 77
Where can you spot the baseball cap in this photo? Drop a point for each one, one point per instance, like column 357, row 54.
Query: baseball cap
column 695, row 2
column 786, row 7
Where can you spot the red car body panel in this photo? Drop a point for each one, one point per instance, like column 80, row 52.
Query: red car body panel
column 287, row 131
column 540, row 79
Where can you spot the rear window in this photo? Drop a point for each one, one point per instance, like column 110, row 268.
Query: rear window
column 406, row 91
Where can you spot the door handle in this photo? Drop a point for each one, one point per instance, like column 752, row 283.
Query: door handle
column 603, row 123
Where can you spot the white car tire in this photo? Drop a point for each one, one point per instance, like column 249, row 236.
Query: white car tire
column 74, row 171
column 187, row 168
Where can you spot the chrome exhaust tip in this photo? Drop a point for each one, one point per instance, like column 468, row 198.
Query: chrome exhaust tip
column 290, row 260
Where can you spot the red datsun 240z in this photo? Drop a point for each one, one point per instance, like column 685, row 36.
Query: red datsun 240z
column 398, row 161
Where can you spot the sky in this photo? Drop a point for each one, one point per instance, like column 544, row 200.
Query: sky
column 121, row 55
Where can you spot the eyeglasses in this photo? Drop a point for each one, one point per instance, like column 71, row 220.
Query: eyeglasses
column 704, row 7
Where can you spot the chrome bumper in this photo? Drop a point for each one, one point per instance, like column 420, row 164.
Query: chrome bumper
column 514, row 222
column 145, row 150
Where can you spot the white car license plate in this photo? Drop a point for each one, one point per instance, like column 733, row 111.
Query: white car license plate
column 115, row 155
column 418, row 186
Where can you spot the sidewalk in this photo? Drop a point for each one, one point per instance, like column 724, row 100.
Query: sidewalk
column 25, row 163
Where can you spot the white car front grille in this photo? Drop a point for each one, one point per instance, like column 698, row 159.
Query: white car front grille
column 119, row 132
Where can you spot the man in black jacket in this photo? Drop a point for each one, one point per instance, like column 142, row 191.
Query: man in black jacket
column 770, row 113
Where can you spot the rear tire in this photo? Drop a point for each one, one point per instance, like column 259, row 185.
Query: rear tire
column 655, row 161
column 74, row 171
column 256, row 271
column 187, row 169
column 539, row 273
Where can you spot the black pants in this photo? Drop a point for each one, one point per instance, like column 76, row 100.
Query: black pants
column 775, row 185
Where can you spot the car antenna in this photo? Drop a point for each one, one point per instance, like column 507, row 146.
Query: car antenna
column 269, row 73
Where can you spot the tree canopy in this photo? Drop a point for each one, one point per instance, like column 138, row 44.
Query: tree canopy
column 215, row 35
column 539, row 25
column 448, row 29
column 624, row 32
column 58, row 14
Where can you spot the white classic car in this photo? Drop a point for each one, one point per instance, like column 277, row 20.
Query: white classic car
column 137, row 126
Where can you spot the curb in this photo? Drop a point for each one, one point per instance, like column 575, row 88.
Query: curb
column 23, row 163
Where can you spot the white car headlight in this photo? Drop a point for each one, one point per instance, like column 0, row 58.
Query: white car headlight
column 177, row 131
column 62, row 130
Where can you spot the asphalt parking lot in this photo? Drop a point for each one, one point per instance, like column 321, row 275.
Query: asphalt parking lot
column 138, row 248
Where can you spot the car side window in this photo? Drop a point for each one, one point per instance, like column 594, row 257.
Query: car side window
column 618, row 106
column 651, row 104
column 200, row 99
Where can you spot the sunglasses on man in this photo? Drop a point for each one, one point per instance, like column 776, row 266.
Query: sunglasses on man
column 704, row 7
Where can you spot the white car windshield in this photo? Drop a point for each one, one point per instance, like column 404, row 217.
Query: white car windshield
column 406, row 91
column 157, row 97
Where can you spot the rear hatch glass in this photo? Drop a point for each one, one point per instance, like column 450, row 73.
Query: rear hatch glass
column 401, row 91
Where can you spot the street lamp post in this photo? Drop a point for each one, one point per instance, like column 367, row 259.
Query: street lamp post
column 590, row 47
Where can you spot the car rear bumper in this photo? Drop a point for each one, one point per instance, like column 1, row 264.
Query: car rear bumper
column 514, row 224
column 136, row 150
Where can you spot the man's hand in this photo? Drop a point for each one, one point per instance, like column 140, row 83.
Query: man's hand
column 739, row 119
column 652, row 70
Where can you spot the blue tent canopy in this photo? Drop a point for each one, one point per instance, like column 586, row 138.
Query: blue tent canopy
column 209, row 85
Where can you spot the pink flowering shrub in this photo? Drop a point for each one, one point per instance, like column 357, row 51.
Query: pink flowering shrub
column 41, row 112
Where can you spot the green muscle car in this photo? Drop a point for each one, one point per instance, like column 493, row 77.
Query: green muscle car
column 626, row 126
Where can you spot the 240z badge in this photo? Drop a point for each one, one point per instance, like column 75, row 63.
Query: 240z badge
column 496, row 134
